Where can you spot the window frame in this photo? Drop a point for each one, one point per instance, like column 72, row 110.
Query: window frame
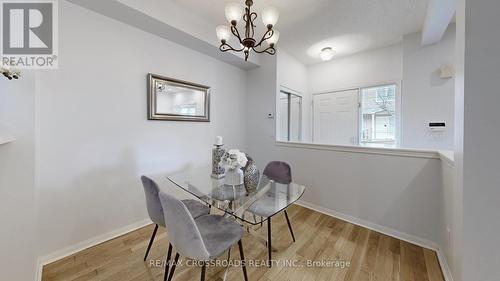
column 398, row 112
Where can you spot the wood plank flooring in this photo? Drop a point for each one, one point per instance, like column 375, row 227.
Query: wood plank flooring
column 372, row 256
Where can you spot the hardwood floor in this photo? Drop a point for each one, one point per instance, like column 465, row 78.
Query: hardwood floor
column 372, row 255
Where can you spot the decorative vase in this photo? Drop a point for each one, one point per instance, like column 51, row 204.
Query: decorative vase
column 217, row 168
column 251, row 175
column 234, row 177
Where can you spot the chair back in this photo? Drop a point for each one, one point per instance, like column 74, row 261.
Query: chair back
column 182, row 230
column 153, row 204
column 279, row 172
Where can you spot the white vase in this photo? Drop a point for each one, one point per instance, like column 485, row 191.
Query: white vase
column 234, row 177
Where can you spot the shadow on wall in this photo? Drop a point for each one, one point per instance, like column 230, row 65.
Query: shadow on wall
column 89, row 204
column 418, row 209
column 96, row 202
column 400, row 193
column 435, row 79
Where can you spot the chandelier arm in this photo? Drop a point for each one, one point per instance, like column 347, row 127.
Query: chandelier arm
column 252, row 17
column 236, row 33
column 224, row 47
column 269, row 33
column 269, row 50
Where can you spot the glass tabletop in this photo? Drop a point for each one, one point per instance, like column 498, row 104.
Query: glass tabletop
column 268, row 199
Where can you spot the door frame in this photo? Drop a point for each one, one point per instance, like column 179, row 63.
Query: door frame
column 290, row 93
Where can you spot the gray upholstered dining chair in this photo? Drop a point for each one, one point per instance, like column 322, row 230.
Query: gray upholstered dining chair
column 155, row 209
column 279, row 172
column 202, row 239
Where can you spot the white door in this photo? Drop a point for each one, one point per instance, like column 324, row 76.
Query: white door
column 336, row 118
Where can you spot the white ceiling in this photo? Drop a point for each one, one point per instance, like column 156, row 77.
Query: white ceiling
column 348, row 26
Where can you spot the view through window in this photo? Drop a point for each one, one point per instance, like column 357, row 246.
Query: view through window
column 378, row 114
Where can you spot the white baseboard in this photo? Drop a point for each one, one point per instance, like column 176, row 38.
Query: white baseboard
column 387, row 231
column 445, row 268
column 57, row 255
column 372, row 226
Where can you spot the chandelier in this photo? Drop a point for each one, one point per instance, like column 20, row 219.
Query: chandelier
column 236, row 12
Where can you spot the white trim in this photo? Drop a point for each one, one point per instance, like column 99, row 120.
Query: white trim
column 447, row 156
column 372, row 226
column 68, row 251
column 445, row 269
column 396, row 81
column 444, row 266
column 405, row 152
column 290, row 90
column 6, row 139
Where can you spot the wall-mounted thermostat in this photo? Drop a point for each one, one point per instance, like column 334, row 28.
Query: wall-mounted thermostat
column 437, row 126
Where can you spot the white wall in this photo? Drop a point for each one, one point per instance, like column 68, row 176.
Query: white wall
column 451, row 208
column 292, row 74
column 424, row 96
column 368, row 68
column 17, row 200
column 427, row 97
column 376, row 67
column 399, row 193
column 95, row 141
column 456, row 262
column 481, row 153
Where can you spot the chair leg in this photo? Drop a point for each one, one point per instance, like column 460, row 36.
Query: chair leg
column 269, row 249
column 167, row 265
column 203, row 272
column 243, row 262
column 176, row 259
column 151, row 242
column 289, row 225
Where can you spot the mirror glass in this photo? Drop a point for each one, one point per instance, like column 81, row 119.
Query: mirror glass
column 176, row 100
column 171, row 99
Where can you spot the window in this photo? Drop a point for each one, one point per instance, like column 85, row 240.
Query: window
column 356, row 116
column 290, row 116
column 378, row 115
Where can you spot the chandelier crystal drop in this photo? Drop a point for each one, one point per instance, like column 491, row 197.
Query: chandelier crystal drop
column 235, row 12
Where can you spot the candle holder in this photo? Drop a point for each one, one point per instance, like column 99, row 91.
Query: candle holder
column 218, row 170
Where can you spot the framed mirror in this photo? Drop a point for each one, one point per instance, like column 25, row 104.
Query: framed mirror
column 176, row 100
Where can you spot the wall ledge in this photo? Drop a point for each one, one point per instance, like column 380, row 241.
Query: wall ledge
column 403, row 152
column 447, row 156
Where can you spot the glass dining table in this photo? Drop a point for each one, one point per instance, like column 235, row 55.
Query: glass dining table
column 268, row 199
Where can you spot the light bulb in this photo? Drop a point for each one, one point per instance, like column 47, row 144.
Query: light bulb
column 234, row 12
column 223, row 32
column 327, row 53
column 270, row 16
column 274, row 39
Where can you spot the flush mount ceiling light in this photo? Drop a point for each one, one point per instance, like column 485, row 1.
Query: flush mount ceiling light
column 327, row 53
column 236, row 12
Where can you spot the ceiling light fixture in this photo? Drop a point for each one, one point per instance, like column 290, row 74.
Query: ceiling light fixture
column 327, row 53
column 234, row 13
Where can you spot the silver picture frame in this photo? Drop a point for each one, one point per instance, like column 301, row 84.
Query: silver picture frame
column 171, row 99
